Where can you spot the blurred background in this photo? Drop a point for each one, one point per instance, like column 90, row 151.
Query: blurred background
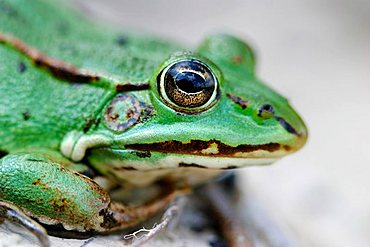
column 316, row 53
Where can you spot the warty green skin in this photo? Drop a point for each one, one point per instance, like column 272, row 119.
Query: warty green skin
column 54, row 121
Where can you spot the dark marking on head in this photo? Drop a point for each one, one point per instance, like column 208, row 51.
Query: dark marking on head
column 64, row 71
column 132, row 87
column 59, row 69
column 145, row 154
column 21, row 67
column 121, row 40
column 26, row 115
column 237, row 59
column 195, row 147
column 108, row 220
column 182, row 164
column 287, row 126
column 266, row 111
column 147, row 112
column 238, row 100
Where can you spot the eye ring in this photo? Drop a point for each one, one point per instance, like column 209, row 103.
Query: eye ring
column 188, row 86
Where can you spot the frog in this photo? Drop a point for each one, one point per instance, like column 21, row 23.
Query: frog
column 78, row 98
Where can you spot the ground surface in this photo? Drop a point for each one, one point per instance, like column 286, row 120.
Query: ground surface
column 318, row 54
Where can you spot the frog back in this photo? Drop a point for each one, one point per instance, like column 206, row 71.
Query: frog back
column 40, row 104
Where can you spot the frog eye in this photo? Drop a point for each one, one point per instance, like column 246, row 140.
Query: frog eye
column 188, row 86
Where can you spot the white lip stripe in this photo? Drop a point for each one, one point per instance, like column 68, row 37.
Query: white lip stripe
column 173, row 161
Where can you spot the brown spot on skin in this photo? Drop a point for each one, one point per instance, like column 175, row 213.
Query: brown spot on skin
column 26, row 115
column 59, row 69
column 238, row 100
column 130, row 113
column 196, row 147
column 38, row 182
column 237, row 59
column 60, row 205
column 132, row 87
column 182, row 164
column 287, row 148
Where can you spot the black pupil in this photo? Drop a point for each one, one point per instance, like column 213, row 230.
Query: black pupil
column 190, row 82
column 191, row 76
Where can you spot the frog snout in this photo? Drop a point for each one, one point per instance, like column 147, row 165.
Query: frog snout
column 273, row 118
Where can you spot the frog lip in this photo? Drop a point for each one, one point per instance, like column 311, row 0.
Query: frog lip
column 214, row 148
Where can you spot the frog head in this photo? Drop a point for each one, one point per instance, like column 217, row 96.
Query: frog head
column 203, row 109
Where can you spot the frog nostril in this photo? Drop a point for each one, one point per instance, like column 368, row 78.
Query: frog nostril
column 266, row 111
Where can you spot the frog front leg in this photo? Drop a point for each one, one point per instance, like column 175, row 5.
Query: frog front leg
column 52, row 194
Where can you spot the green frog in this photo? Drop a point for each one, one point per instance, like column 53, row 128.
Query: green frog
column 78, row 99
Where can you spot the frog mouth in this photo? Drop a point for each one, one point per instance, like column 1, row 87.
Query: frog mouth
column 214, row 148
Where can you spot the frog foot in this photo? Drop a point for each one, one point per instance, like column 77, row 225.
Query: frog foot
column 12, row 213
